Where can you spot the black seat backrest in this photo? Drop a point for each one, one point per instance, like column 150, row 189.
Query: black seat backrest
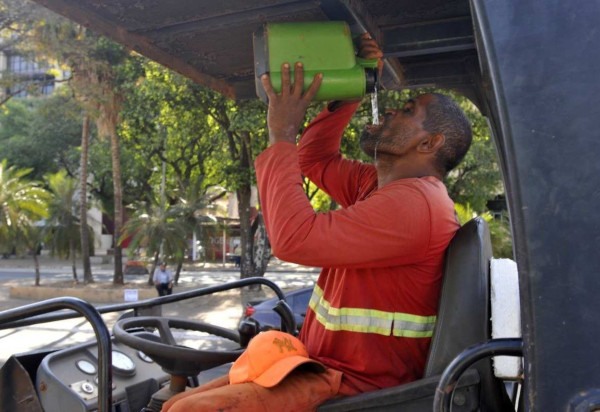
column 463, row 315
column 464, row 312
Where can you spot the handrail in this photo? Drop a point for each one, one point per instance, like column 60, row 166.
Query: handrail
column 86, row 310
column 450, row 376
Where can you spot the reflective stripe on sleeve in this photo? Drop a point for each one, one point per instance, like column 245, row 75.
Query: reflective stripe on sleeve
column 370, row 320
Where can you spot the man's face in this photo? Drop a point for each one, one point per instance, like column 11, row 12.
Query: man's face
column 400, row 130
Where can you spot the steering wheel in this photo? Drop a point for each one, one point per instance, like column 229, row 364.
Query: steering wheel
column 166, row 352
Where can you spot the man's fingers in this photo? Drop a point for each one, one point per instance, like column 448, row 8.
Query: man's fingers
column 314, row 87
column 370, row 51
column 298, row 79
column 265, row 79
column 285, row 78
column 368, row 47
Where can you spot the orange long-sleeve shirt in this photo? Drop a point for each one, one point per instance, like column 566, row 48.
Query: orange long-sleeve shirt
column 375, row 301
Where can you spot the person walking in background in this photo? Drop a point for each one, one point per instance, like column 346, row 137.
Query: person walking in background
column 163, row 280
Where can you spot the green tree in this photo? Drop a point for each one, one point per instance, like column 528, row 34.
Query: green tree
column 96, row 64
column 22, row 204
column 63, row 226
column 202, row 138
column 164, row 123
column 189, row 210
column 41, row 133
column 242, row 125
column 155, row 227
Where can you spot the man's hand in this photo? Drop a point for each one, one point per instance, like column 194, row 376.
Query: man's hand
column 369, row 49
column 287, row 109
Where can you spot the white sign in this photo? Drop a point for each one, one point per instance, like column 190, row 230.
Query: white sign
column 130, row 295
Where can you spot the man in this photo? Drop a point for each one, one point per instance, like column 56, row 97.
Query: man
column 163, row 280
column 373, row 309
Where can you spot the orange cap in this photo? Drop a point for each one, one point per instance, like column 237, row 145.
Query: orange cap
column 269, row 358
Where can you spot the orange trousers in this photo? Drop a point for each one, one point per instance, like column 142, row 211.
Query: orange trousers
column 300, row 391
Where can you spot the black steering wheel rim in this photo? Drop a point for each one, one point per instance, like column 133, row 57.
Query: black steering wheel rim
column 175, row 359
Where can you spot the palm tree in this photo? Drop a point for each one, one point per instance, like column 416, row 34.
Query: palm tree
column 189, row 209
column 63, row 228
column 156, row 227
column 22, row 204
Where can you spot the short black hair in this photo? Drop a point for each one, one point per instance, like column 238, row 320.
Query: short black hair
column 445, row 116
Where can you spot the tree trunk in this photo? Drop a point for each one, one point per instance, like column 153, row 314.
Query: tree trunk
column 262, row 247
column 153, row 268
column 118, row 193
column 107, row 121
column 36, row 263
column 244, row 193
column 178, row 271
column 73, row 259
column 83, row 170
column 246, row 239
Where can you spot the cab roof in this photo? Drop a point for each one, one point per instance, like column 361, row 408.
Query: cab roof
column 426, row 42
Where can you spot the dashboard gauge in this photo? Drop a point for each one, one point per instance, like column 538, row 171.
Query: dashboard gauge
column 122, row 363
column 144, row 357
column 86, row 366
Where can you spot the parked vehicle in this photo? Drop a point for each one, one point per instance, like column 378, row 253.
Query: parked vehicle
column 262, row 315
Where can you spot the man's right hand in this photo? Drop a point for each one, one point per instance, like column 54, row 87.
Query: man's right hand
column 287, row 109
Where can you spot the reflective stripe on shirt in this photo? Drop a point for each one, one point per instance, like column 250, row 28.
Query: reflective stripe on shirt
column 370, row 320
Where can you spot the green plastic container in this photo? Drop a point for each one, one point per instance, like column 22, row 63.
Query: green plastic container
column 322, row 47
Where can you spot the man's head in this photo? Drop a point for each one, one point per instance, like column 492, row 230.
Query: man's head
column 163, row 265
column 430, row 124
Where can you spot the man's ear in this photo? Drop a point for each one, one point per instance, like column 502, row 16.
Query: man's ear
column 432, row 143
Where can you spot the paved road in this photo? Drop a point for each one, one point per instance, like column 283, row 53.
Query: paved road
column 223, row 309
column 53, row 274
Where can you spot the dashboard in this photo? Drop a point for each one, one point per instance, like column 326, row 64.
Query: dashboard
column 67, row 380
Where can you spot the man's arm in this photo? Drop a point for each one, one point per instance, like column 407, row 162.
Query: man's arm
column 321, row 161
column 391, row 227
column 319, row 151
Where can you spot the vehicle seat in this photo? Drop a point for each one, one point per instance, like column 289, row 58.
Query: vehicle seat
column 463, row 320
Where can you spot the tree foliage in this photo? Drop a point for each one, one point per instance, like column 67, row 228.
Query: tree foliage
column 156, row 227
column 42, row 134
column 23, row 202
column 164, row 121
column 203, row 139
column 97, row 65
column 62, row 229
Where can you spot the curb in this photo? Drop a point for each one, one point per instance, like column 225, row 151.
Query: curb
column 90, row 295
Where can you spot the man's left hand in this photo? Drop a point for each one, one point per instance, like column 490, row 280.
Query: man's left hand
column 287, row 109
